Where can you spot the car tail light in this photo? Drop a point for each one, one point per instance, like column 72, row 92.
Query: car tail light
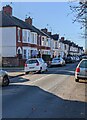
column 25, row 65
column 77, row 69
column 37, row 64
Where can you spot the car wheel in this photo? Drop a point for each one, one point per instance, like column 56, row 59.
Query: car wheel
column 26, row 73
column 40, row 71
column 5, row 81
column 77, row 80
column 46, row 70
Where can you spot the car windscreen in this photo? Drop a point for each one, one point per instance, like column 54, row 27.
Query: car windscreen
column 31, row 61
column 40, row 59
column 56, row 59
column 83, row 64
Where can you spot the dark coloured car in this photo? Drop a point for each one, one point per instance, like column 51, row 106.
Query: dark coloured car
column 68, row 59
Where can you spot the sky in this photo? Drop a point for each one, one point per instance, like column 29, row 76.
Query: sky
column 56, row 16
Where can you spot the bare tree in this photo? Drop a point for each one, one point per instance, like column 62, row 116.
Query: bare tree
column 80, row 12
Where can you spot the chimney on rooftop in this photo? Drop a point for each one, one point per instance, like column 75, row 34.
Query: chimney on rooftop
column 44, row 30
column 28, row 20
column 7, row 9
column 62, row 38
column 49, row 33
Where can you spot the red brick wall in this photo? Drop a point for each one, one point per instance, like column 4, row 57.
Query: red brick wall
column 10, row 61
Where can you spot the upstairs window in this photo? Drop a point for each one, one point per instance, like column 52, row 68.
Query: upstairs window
column 56, row 45
column 42, row 40
column 32, row 37
column 26, row 36
column 19, row 34
column 65, row 47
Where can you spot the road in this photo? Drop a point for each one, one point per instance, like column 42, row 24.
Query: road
column 53, row 94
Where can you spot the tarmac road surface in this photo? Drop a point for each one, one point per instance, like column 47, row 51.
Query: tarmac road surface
column 53, row 94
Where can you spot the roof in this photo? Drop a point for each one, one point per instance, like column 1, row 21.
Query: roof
column 11, row 21
column 55, row 36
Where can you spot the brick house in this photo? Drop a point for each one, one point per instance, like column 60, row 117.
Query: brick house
column 20, row 39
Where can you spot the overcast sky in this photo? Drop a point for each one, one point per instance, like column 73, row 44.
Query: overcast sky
column 53, row 15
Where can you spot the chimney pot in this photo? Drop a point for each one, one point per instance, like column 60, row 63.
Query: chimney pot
column 62, row 38
column 49, row 33
column 28, row 20
column 44, row 30
column 7, row 9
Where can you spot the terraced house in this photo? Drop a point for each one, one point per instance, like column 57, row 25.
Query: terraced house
column 21, row 40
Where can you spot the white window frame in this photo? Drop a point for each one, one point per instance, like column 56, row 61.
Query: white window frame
column 26, row 36
column 19, row 34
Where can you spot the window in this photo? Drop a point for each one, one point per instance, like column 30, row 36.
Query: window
column 36, row 38
column 28, row 36
column 41, row 60
column 24, row 34
column 31, row 61
column 56, row 45
column 19, row 51
column 18, row 34
column 42, row 40
column 32, row 37
column 25, row 52
column 83, row 64
column 65, row 47
column 28, row 53
column 47, row 42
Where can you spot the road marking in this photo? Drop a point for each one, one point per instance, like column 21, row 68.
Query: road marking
column 46, row 76
column 50, row 75
column 40, row 78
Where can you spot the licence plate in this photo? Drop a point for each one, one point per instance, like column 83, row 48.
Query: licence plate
column 31, row 67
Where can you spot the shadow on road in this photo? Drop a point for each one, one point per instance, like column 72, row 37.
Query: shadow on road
column 18, row 80
column 26, row 101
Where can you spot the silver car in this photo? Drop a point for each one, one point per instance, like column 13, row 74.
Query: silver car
column 4, row 79
column 81, row 70
column 57, row 61
column 35, row 65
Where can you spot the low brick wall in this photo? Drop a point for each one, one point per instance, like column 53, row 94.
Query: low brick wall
column 10, row 61
column 22, row 62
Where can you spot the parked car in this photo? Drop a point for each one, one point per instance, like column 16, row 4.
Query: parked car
column 77, row 58
column 81, row 70
column 35, row 65
column 4, row 79
column 58, row 61
column 68, row 59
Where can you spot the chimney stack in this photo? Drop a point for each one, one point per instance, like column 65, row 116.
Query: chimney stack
column 28, row 20
column 62, row 38
column 44, row 30
column 49, row 33
column 7, row 9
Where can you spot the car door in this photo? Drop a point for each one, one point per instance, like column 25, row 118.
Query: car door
column 83, row 68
